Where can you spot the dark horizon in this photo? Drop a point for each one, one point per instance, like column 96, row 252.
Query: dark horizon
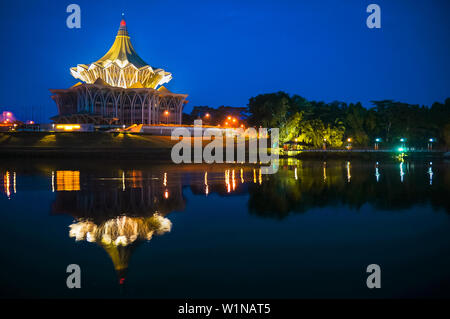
column 225, row 53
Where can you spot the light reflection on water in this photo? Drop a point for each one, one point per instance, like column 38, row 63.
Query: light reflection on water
column 121, row 206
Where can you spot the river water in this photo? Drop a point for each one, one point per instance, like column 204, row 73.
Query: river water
column 227, row 231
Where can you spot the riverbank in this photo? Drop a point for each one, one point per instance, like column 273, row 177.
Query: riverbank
column 366, row 154
column 85, row 145
column 142, row 146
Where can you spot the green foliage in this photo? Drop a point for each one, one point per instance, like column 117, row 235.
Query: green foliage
column 311, row 122
column 315, row 133
column 269, row 110
column 290, row 129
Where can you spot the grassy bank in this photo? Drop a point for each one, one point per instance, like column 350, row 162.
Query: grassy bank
column 85, row 140
column 135, row 146
column 86, row 144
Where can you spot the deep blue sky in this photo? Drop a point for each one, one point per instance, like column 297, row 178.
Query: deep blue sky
column 222, row 53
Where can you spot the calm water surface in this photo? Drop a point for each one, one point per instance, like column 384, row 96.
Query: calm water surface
column 158, row 231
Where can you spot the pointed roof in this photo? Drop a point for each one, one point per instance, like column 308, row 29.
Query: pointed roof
column 99, row 81
column 122, row 50
column 163, row 89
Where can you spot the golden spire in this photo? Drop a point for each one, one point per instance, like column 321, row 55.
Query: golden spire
column 121, row 66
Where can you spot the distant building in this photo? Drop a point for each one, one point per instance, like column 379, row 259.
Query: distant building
column 120, row 88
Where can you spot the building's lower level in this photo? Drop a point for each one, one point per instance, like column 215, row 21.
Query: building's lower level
column 99, row 103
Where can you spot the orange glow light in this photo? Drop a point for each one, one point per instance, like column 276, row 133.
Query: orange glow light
column 68, row 127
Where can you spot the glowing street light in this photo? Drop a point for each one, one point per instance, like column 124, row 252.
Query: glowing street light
column 207, row 115
column 403, row 146
column 324, row 144
column 377, row 141
column 166, row 114
column 430, row 144
column 349, row 145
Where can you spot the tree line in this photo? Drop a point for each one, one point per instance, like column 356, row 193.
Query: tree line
column 311, row 122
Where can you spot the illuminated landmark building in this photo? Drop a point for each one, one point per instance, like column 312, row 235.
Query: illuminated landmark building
column 120, row 88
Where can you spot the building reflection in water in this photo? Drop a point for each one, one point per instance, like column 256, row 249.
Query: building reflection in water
column 117, row 213
column 119, row 236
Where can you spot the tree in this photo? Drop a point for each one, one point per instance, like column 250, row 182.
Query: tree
column 354, row 122
column 269, row 110
column 291, row 128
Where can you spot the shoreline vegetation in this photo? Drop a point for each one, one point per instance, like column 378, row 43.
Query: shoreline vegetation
column 135, row 146
column 339, row 124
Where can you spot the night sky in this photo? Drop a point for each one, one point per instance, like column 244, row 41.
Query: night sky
column 223, row 53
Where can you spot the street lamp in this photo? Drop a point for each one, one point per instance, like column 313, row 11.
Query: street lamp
column 377, row 141
column 349, row 145
column 166, row 114
column 324, row 144
column 430, row 144
column 403, row 146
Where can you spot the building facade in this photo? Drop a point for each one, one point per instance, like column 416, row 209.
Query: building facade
column 120, row 88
